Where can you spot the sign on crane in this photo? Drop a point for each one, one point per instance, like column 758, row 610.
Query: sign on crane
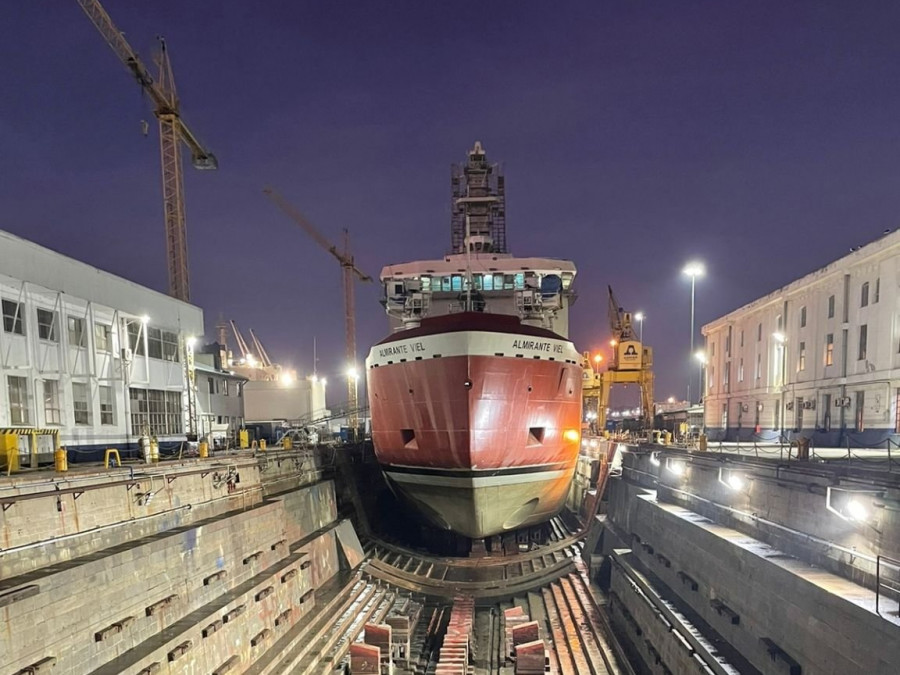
column 172, row 133
column 350, row 272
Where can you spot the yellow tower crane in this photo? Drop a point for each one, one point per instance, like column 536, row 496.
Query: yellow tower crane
column 632, row 363
column 349, row 270
column 172, row 132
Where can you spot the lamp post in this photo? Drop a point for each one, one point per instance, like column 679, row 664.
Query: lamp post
column 702, row 361
column 781, row 339
column 639, row 317
column 693, row 270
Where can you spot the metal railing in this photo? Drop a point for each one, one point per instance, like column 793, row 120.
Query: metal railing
column 893, row 585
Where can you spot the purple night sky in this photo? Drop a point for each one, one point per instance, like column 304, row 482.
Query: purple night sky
column 760, row 137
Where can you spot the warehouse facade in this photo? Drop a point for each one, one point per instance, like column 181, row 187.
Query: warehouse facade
column 818, row 358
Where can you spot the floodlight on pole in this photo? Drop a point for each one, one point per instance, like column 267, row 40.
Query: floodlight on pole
column 639, row 317
column 693, row 270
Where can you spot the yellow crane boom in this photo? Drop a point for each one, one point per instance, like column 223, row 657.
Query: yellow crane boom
column 349, row 273
column 172, row 132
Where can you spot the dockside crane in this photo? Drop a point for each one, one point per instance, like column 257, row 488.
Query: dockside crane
column 172, row 133
column 349, row 274
column 632, row 363
column 264, row 359
column 242, row 344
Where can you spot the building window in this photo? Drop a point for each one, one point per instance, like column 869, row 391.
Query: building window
column 863, row 337
column 830, row 306
column 46, row 320
column 226, row 385
column 102, row 337
column 864, row 295
column 107, row 406
column 712, row 349
column 240, row 389
column 742, row 338
column 728, row 342
column 18, row 399
column 803, row 317
column 76, row 332
column 877, row 290
column 81, row 402
column 758, row 373
column 759, row 332
column 12, row 317
column 156, row 412
column 860, row 405
column 51, row 402
column 829, row 349
column 162, row 344
column 741, row 370
column 211, row 383
column 801, row 365
column 135, row 338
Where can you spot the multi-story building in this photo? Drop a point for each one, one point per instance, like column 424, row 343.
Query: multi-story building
column 819, row 358
column 220, row 397
column 92, row 356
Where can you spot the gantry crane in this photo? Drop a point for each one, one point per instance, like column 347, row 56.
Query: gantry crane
column 264, row 359
column 632, row 363
column 242, row 344
column 172, row 132
column 349, row 270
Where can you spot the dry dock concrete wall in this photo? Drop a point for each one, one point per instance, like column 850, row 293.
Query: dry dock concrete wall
column 771, row 592
column 205, row 589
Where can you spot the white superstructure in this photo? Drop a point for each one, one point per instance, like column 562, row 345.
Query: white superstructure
column 92, row 355
column 819, row 358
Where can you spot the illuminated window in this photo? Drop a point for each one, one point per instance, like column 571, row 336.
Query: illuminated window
column 488, row 282
column 801, row 365
column 829, row 349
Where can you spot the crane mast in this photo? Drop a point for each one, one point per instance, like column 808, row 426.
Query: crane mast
column 172, row 133
column 349, row 274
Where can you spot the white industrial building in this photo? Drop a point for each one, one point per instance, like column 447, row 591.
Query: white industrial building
column 92, row 356
column 817, row 359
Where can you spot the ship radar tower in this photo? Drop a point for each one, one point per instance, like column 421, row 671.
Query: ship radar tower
column 478, row 196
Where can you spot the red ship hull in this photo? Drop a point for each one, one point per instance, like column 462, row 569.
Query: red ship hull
column 475, row 420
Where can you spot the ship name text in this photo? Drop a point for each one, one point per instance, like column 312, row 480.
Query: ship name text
column 538, row 346
column 401, row 349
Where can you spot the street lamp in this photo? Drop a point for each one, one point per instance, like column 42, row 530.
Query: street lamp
column 693, row 270
column 639, row 317
column 781, row 339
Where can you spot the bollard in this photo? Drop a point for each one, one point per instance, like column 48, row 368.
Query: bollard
column 9, row 451
column 702, row 443
column 262, row 443
column 203, row 449
column 287, row 443
column 61, row 460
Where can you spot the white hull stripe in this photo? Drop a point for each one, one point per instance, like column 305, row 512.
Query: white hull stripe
column 473, row 343
column 475, row 481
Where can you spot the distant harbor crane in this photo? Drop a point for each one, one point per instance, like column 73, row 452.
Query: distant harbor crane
column 349, row 271
column 172, row 132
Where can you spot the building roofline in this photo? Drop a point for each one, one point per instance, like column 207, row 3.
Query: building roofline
column 874, row 248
